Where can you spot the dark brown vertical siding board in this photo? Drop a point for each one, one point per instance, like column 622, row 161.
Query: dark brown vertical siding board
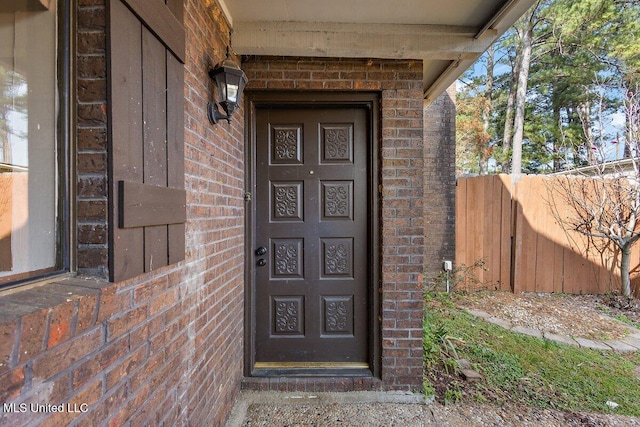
column 126, row 252
column 143, row 205
column 146, row 108
column 158, row 17
column 154, row 106
column 177, row 8
column 175, row 147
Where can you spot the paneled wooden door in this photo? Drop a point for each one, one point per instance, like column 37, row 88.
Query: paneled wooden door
column 311, row 284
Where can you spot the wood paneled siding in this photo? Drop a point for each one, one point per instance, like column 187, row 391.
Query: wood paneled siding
column 146, row 56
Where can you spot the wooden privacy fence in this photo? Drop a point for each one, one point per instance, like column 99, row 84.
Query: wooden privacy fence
column 523, row 248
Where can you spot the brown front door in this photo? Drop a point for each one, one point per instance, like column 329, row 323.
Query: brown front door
column 311, row 275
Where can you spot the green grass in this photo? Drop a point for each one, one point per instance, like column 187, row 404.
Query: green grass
column 625, row 319
column 521, row 368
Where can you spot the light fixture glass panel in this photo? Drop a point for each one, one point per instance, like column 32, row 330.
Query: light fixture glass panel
column 232, row 93
column 222, row 88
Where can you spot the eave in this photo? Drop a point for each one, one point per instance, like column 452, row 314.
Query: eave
column 446, row 50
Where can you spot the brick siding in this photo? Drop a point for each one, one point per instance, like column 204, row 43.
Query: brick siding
column 402, row 237
column 164, row 348
column 167, row 347
column 440, row 181
column 91, row 138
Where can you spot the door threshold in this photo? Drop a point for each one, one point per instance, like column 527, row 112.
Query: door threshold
column 313, row 369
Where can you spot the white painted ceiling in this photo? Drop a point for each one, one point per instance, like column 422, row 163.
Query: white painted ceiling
column 448, row 35
column 438, row 12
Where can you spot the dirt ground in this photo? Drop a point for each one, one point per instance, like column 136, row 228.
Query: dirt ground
column 430, row 415
column 585, row 316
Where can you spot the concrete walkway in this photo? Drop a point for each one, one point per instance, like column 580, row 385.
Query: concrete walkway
column 629, row 343
column 380, row 409
column 396, row 407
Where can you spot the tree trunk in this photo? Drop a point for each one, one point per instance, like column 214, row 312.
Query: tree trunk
column 487, row 107
column 632, row 121
column 625, row 263
column 521, row 96
column 584, row 113
column 508, row 117
column 557, row 134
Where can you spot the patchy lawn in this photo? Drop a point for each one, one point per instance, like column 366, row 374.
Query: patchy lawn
column 522, row 369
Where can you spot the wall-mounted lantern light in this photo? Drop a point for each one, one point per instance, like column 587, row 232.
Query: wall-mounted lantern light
column 230, row 80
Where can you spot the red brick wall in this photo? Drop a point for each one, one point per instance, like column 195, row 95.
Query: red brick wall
column 163, row 348
column 400, row 86
column 166, row 347
column 440, row 181
column 91, row 138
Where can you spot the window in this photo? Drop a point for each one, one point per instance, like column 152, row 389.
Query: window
column 30, row 202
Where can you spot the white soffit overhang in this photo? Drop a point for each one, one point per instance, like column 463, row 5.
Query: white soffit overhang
column 448, row 36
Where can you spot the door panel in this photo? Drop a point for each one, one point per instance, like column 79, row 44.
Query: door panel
column 311, row 286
